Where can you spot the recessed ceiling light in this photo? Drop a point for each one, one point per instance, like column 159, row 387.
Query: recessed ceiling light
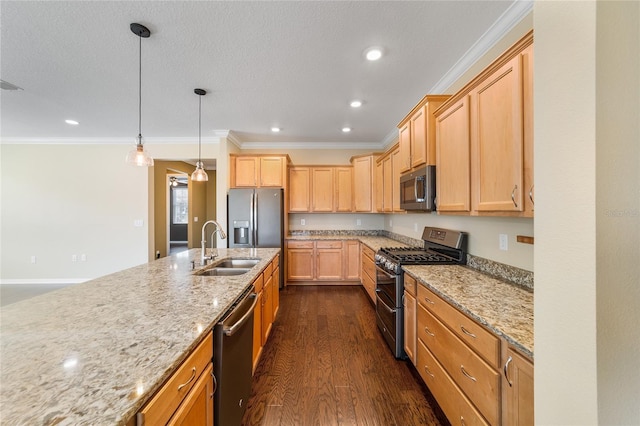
column 373, row 53
column 72, row 122
column 356, row 104
column 346, row 129
column 275, row 129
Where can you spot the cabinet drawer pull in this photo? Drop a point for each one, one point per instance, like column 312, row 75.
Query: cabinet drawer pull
column 467, row 332
column 426, row 370
column 513, row 196
column 193, row 376
column 426, row 299
column 426, row 330
column 462, row 422
column 506, row 371
column 469, row 376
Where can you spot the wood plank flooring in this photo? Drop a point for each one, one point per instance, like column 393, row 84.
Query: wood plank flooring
column 326, row 363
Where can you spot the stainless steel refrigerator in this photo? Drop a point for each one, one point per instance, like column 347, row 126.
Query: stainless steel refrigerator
column 256, row 219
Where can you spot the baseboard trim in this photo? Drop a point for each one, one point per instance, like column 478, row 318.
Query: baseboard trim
column 43, row 281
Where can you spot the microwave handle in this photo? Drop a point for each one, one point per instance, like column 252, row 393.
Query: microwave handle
column 415, row 188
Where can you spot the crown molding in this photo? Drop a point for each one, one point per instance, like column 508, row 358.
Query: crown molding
column 311, row 145
column 106, row 141
column 233, row 138
column 518, row 10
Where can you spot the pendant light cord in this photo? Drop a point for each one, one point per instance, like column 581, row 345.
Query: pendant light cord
column 140, row 90
column 199, row 128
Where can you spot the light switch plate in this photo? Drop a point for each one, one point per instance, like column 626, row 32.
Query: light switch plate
column 303, row 222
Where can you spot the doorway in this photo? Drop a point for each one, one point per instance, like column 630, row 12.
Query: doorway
column 178, row 214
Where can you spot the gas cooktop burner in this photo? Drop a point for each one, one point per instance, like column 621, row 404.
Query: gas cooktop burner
column 414, row 256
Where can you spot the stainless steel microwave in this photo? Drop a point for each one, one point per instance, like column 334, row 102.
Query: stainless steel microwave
column 418, row 189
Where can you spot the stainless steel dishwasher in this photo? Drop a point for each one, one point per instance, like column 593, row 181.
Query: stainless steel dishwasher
column 232, row 363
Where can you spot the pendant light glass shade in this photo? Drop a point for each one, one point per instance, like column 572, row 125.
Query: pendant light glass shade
column 199, row 175
column 137, row 156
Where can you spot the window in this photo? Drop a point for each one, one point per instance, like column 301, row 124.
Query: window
column 180, row 205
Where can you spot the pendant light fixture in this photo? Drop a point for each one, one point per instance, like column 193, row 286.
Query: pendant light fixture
column 199, row 175
column 138, row 156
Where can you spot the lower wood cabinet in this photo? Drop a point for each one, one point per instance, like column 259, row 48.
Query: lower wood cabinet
column 319, row 261
column 187, row 395
column 368, row 272
column 518, row 389
column 266, row 286
column 476, row 378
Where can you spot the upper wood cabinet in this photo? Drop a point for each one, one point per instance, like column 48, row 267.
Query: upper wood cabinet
column 257, row 170
column 452, row 157
column 395, row 181
column 387, row 185
column 322, row 189
column 484, row 140
column 379, row 186
column 299, row 189
column 363, row 178
column 343, row 198
column 417, row 134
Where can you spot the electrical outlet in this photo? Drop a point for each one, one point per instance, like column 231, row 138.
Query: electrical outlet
column 138, row 223
column 33, row 259
column 83, row 257
column 358, row 222
column 74, row 258
column 415, row 227
column 504, row 242
column 303, row 222
column 195, row 218
column 391, row 223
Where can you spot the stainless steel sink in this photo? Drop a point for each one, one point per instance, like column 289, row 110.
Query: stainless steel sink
column 223, row 272
column 237, row 263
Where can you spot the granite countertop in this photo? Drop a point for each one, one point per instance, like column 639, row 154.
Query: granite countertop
column 94, row 353
column 504, row 308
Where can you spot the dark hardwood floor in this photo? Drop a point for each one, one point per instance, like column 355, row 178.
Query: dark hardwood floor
column 326, row 363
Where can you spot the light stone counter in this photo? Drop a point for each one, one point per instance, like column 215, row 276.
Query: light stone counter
column 502, row 307
column 94, row 353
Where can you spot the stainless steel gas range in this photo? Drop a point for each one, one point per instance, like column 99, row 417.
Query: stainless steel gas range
column 441, row 247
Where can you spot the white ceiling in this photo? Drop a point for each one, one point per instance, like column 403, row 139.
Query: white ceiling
column 295, row 65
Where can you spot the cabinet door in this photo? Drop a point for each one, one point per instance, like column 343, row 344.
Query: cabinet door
column 352, row 260
column 271, row 171
column 329, row 260
column 299, row 189
column 257, row 330
column 379, row 185
column 267, row 307
column 452, row 158
column 395, row 181
column 518, row 385
column 300, row 263
column 197, row 407
column 410, row 339
column 419, row 137
column 387, row 184
column 527, row 104
column 344, row 186
column 246, row 171
column 405, row 147
column 322, row 189
column 363, row 183
column 497, row 148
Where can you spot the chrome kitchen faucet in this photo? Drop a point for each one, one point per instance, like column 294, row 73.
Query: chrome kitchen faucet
column 203, row 242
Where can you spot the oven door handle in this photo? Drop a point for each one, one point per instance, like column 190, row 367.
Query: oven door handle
column 391, row 311
column 387, row 274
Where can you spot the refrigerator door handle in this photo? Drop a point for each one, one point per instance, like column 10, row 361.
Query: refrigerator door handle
column 255, row 219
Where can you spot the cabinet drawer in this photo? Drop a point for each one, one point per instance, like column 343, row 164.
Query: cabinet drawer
column 369, row 268
column 370, row 286
column 275, row 262
column 367, row 251
column 258, row 283
column 456, row 406
column 268, row 270
column 410, row 284
column 160, row 409
column 475, row 377
column 477, row 337
column 300, row 244
column 328, row 244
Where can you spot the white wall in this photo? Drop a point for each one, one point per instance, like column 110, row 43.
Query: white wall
column 587, row 300
column 60, row 200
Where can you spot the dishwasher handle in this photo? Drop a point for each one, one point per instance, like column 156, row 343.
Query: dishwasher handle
column 229, row 331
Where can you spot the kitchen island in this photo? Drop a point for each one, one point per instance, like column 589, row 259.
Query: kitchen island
column 94, row 353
